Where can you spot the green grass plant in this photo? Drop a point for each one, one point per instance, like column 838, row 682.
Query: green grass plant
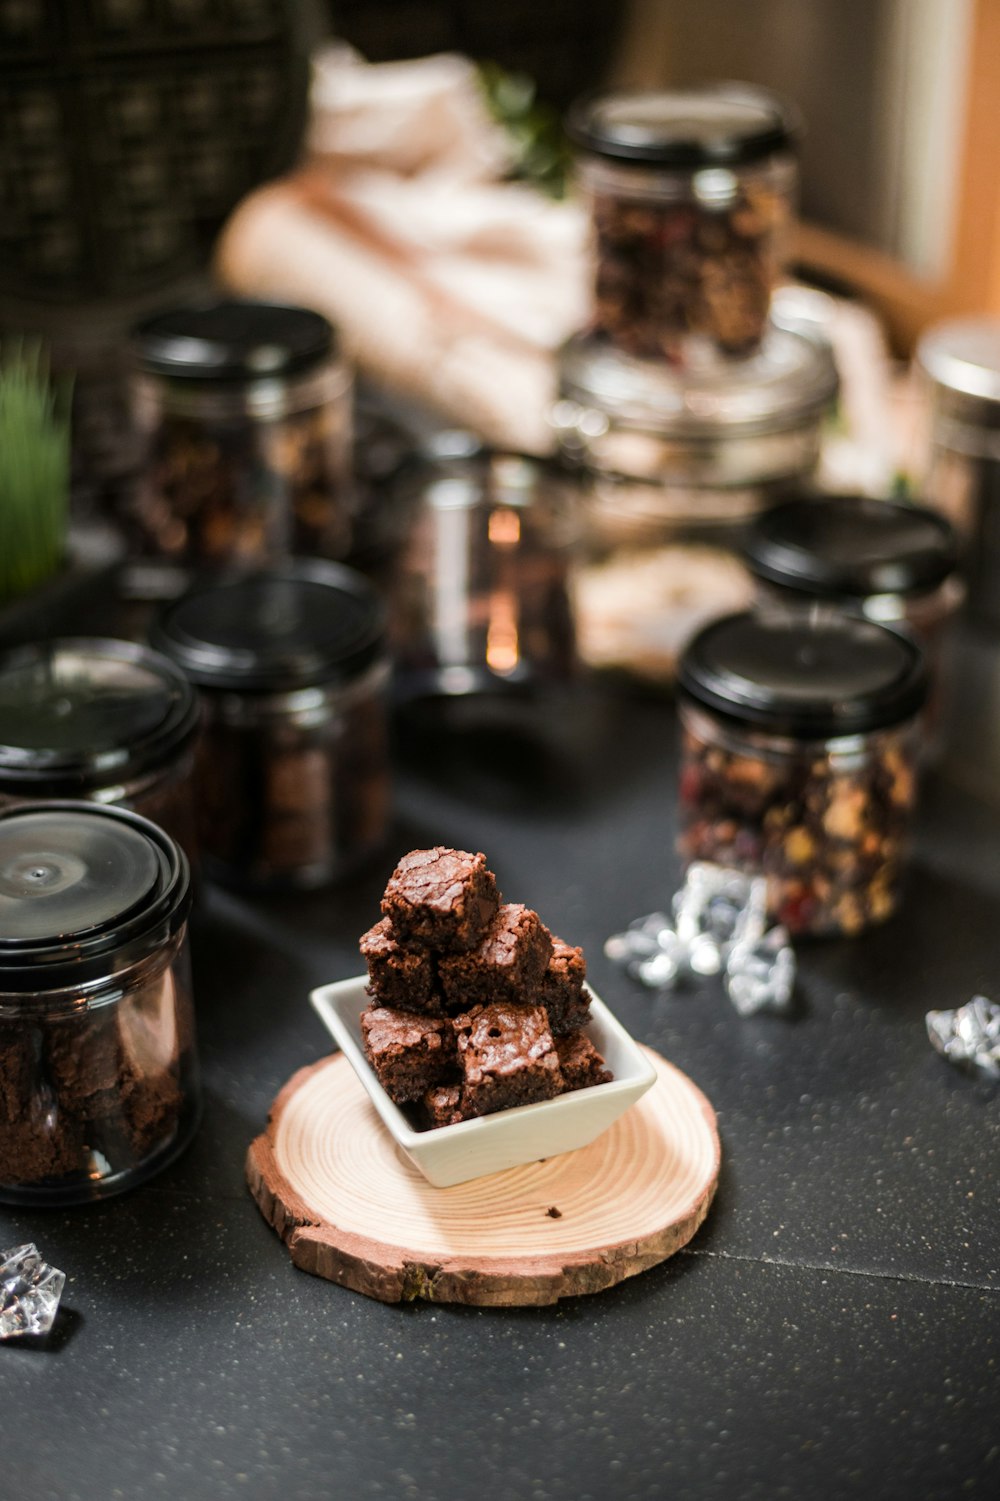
column 34, row 469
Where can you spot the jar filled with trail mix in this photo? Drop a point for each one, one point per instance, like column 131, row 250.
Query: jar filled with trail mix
column 245, row 412
column 98, row 1073
column 801, row 739
column 292, row 782
column 672, row 467
column 108, row 721
column 691, row 194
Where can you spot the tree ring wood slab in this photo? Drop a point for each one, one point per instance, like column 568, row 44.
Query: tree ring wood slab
column 351, row 1207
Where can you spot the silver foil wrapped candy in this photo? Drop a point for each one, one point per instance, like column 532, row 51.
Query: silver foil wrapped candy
column 968, row 1036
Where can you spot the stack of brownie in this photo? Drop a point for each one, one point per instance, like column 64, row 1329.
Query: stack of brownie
column 475, row 1006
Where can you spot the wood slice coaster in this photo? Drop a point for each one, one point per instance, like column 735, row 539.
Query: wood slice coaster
column 350, row 1205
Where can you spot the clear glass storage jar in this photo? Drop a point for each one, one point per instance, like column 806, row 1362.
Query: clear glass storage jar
column 479, row 599
column 293, row 780
column 889, row 561
column 960, row 361
column 245, row 414
column 800, row 741
column 672, row 467
column 98, row 1073
column 105, row 720
column 691, row 194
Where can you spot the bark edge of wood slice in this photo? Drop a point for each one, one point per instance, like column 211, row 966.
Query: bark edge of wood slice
column 351, row 1207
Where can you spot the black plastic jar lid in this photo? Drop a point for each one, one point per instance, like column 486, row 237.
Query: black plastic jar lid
column 810, row 679
column 850, row 546
column 718, row 125
column 79, row 713
column 232, row 340
column 84, row 890
column 309, row 623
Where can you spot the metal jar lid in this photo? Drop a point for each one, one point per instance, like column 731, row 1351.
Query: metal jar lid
column 851, row 547
column 81, row 713
column 808, row 679
column 306, row 624
column 716, row 125
column 84, row 892
column 962, row 359
column 233, row 340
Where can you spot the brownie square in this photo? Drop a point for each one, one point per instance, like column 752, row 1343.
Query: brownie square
column 508, row 1057
column 399, row 974
column 562, row 992
column 445, row 1105
column 410, row 1052
column 506, row 965
column 443, row 898
column 580, row 1062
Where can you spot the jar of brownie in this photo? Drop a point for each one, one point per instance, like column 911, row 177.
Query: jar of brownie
column 98, row 1074
column 292, row 783
column 672, row 467
column 691, row 195
column 245, row 412
column 799, row 760
column 104, row 720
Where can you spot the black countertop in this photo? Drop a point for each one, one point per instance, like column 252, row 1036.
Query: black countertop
column 832, row 1331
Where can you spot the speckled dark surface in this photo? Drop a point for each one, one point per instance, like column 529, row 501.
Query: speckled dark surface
column 833, row 1331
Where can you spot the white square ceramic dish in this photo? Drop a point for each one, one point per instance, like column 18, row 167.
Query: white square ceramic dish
column 454, row 1154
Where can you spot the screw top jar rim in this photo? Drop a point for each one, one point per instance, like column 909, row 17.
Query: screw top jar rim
column 310, row 623
column 852, row 546
column 233, row 340
column 84, row 890
column 788, row 673
column 80, row 712
column 715, row 125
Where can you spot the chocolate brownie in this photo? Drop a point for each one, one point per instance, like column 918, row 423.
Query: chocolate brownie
column 506, row 965
column 443, row 898
column 410, row 1052
column 507, row 1056
column 580, row 1061
column 399, row 974
column 562, row 992
column 445, row 1105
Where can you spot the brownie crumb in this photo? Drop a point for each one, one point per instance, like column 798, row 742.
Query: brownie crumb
column 554, row 1213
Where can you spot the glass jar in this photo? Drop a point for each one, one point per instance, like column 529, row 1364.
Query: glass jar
column 292, row 782
column 479, row 593
column 799, row 760
column 891, row 562
column 672, row 468
column 245, row 413
column 960, row 361
column 98, row 1074
column 108, row 721
column 692, row 199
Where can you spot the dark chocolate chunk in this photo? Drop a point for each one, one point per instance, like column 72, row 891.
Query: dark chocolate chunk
column 580, row 1062
column 399, row 974
column 441, row 897
column 506, row 965
column 410, row 1052
column 508, row 1056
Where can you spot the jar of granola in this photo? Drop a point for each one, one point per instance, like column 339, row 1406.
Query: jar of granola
column 104, row 720
column 245, row 414
column 691, row 194
column 292, row 776
column 800, row 747
column 98, row 1073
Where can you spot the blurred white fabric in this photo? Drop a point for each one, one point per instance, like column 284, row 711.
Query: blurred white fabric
column 447, row 282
